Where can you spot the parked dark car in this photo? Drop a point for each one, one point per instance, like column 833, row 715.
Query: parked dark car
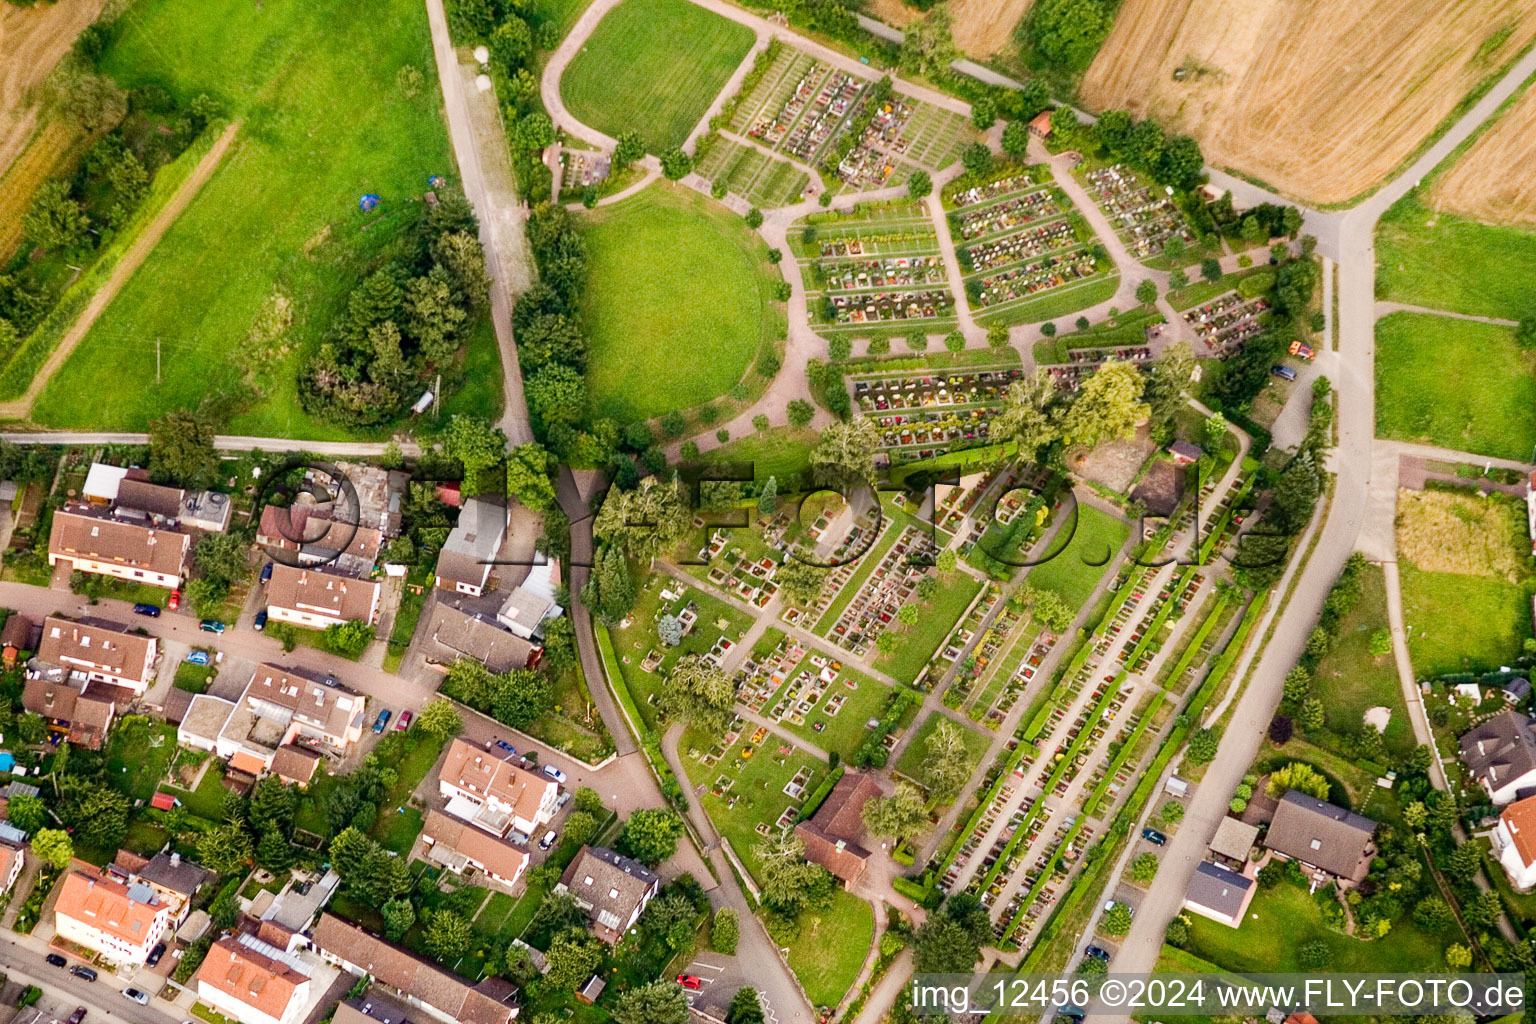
column 1153, row 836
column 155, row 955
column 152, row 610
column 261, row 620
column 55, row 960
column 85, row 973
column 211, row 626
column 1283, row 372
column 78, row 1016
column 266, row 573
column 380, row 722
column 1098, row 953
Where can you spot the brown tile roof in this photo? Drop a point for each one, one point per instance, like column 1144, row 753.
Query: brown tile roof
column 1323, row 835
column 20, row 632
column 295, row 764
column 94, row 711
column 610, row 883
column 51, row 700
column 470, row 768
column 399, row 969
column 315, row 531
column 103, row 904
column 147, row 497
column 95, row 647
column 104, row 539
column 834, row 835
column 174, row 873
column 310, row 590
column 478, row 638
column 250, row 977
column 1501, row 749
column 498, row 855
column 327, row 708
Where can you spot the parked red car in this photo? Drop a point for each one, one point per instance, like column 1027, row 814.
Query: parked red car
column 690, row 981
column 175, row 600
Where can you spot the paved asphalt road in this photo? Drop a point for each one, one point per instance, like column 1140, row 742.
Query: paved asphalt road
column 62, row 991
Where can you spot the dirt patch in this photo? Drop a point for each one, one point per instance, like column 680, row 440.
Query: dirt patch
column 1113, row 464
column 1161, row 488
column 1320, row 99
column 1440, row 531
column 32, row 41
column 985, row 27
column 892, row 12
column 1495, row 180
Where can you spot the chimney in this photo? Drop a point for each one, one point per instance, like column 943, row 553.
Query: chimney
column 175, row 860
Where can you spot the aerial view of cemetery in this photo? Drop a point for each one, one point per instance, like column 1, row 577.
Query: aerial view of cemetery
column 733, row 511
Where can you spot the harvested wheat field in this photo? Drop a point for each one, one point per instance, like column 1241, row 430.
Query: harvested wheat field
column 1320, row 99
column 1495, row 180
column 1439, row 531
column 979, row 28
column 32, row 40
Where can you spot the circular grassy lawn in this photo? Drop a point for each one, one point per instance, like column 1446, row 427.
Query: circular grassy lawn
column 675, row 305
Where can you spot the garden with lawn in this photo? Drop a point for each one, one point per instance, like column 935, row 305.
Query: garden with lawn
column 1491, row 410
column 281, row 213
column 653, row 66
column 1463, row 623
column 1441, row 261
column 830, row 946
column 1353, row 679
column 912, row 757
column 1078, row 558
column 679, row 301
column 1282, row 920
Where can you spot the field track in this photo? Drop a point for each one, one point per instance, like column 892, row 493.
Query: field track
column 1320, row 100
column 981, row 28
column 1495, row 180
column 136, row 254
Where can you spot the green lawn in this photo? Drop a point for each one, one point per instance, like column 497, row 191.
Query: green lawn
column 677, row 305
column 1097, row 539
column 1491, row 410
column 916, row 644
column 1350, row 679
column 831, row 946
column 138, row 754
column 399, row 823
column 653, row 66
column 975, row 744
column 1462, row 623
column 323, row 124
column 1284, row 919
column 1442, row 261
column 781, row 452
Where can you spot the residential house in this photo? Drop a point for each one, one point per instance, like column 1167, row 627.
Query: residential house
column 254, row 982
column 281, row 707
column 458, row 847
column 1514, row 841
column 310, row 536
column 127, row 548
column 98, row 652
column 459, row 633
column 80, row 712
column 532, row 602
column 1322, row 836
column 315, row 598
column 1501, row 755
column 612, row 888
column 1218, row 893
column 174, row 879
column 465, row 561
column 21, row 634
column 494, row 794
column 209, row 511
column 295, row 765
column 121, row 922
column 834, row 835
column 372, row 1007
column 422, row 984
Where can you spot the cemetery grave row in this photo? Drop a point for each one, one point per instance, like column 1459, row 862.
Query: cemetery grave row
column 1227, row 321
column 1143, row 215
column 897, row 270
column 889, row 587
column 762, row 180
column 1026, row 280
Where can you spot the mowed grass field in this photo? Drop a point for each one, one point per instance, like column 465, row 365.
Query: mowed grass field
column 1097, row 539
column 1489, row 410
column 1442, row 261
column 324, row 123
column 653, row 66
column 678, row 305
column 1463, row 623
